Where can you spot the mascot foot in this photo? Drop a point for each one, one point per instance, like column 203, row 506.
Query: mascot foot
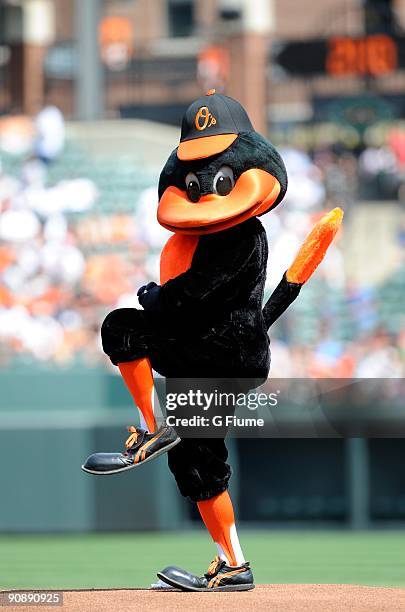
column 141, row 447
column 219, row 577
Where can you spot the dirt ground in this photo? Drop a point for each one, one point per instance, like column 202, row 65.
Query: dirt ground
column 274, row 597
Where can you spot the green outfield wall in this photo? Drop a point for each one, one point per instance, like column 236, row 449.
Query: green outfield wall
column 50, row 421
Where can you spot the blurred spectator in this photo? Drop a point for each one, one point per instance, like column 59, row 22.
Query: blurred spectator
column 380, row 357
column 50, row 134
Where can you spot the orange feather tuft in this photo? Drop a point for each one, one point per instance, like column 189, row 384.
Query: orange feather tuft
column 314, row 248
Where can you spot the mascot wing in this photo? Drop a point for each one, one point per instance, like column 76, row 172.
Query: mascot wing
column 310, row 255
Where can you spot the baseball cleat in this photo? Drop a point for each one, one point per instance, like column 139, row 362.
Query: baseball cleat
column 219, row 577
column 141, row 447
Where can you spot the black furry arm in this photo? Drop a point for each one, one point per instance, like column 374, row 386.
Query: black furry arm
column 225, row 265
column 281, row 298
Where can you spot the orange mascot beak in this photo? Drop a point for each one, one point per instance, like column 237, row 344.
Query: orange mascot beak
column 254, row 193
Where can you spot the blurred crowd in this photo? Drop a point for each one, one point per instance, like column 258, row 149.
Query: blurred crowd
column 65, row 263
column 336, row 328
column 377, row 354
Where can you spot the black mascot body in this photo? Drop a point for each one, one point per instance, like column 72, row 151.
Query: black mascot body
column 208, row 321
column 206, row 318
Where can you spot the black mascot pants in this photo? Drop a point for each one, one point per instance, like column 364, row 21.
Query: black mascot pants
column 198, row 465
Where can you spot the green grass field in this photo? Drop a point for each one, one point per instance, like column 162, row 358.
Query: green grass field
column 131, row 560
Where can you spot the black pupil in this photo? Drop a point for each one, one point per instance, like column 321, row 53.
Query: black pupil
column 193, row 191
column 224, row 185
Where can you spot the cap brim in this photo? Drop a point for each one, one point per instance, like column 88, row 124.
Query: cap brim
column 198, row 148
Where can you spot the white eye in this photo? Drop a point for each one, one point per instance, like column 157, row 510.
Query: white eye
column 191, row 177
column 224, row 181
column 193, row 187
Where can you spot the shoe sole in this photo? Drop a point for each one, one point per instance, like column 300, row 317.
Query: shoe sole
column 230, row 587
column 163, row 450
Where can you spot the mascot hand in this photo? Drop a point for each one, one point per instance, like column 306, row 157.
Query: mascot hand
column 148, row 297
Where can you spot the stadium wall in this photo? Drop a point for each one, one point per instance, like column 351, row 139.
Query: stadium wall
column 343, row 483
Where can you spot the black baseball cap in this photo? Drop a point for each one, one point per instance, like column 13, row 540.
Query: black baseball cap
column 210, row 125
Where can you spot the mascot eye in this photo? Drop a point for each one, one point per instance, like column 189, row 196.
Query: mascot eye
column 193, row 187
column 224, row 181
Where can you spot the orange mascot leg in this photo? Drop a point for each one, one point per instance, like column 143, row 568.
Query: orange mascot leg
column 139, row 380
column 218, row 516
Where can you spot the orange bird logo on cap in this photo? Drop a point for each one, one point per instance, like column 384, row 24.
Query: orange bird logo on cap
column 204, row 118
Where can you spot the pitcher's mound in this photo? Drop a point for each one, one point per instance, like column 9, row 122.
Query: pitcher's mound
column 272, row 597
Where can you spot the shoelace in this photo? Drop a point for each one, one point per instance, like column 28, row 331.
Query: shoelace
column 133, row 438
column 214, row 566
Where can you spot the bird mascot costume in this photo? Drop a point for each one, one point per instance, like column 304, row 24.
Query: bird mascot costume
column 206, row 317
